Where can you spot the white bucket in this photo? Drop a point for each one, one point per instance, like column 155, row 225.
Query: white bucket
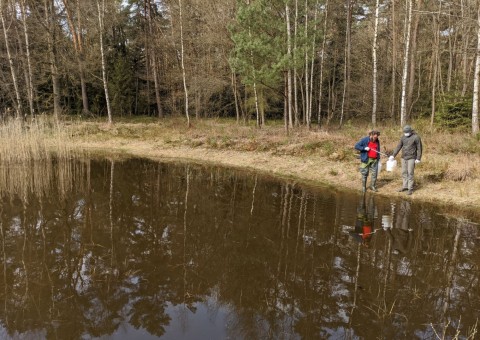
column 387, row 221
column 391, row 165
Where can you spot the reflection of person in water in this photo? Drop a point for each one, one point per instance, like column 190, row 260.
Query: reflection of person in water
column 364, row 228
column 401, row 233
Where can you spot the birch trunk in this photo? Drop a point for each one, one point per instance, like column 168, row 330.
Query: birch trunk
column 408, row 24
column 308, row 94
column 312, row 67
column 412, row 59
column 435, row 62
column 322, row 63
column 374, row 57
column 18, row 102
column 294, row 52
column 101, row 15
column 476, row 82
column 393, row 97
column 81, row 64
column 182, row 58
column 465, row 47
column 29, row 62
column 289, row 71
column 346, row 70
column 52, row 55
column 235, row 96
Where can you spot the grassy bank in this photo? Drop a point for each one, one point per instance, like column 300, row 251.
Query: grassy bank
column 449, row 173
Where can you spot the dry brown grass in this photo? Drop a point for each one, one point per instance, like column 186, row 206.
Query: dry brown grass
column 35, row 140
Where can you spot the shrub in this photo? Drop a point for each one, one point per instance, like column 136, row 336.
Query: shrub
column 455, row 112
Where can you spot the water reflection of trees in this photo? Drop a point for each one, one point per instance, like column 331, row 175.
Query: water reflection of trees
column 126, row 240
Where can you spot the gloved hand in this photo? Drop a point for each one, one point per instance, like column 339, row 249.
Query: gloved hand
column 391, row 158
column 417, row 161
column 367, row 148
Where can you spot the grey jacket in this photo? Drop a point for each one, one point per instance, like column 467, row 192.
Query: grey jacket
column 411, row 147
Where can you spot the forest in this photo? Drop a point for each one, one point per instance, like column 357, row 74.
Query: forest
column 305, row 63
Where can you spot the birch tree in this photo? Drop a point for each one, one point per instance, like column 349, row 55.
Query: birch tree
column 322, row 64
column 374, row 58
column 29, row 73
column 101, row 17
column 408, row 24
column 182, row 61
column 346, row 68
column 476, row 82
column 18, row 101
column 289, row 72
column 50, row 24
column 435, row 62
column 394, row 62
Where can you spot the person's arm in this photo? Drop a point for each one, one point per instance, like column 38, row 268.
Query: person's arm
column 419, row 148
column 397, row 149
column 360, row 146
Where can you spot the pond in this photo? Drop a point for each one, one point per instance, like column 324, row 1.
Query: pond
column 137, row 249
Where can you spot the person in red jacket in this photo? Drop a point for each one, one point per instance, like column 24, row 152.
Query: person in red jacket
column 369, row 148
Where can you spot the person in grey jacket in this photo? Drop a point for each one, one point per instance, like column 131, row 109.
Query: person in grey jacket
column 411, row 146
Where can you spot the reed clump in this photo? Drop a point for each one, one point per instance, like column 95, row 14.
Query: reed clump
column 28, row 152
column 38, row 139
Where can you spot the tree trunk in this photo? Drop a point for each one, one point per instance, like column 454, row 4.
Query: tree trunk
column 412, row 60
column 30, row 90
column 101, row 15
column 465, row 47
column 294, row 54
column 476, row 82
column 346, row 70
column 81, row 64
column 182, row 58
column 235, row 96
column 374, row 57
column 408, row 24
column 52, row 55
column 153, row 56
column 289, row 71
column 18, row 102
column 435, row 62
column 322, row 63
column 393, row 97
column 76, row 32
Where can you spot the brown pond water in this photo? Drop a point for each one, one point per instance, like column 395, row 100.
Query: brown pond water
column 143, row 250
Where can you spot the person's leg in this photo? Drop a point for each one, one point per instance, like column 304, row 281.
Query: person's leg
column 364, row 173
column 410, row 173
column 373, row 169
column 404, row 174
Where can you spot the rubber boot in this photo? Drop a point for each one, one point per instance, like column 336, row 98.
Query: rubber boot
column 364, row 184
column 372, row 185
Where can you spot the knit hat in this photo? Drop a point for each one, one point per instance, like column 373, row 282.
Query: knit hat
column 407, row 129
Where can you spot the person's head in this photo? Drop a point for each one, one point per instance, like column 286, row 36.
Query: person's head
column 407, row 130
column 374, row 134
